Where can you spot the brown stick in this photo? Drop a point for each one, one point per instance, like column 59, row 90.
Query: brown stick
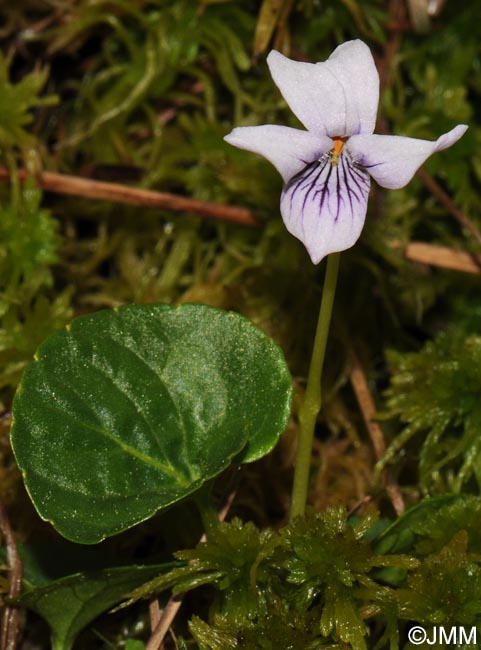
column 448, row 203
column 166, row 620
column 11, row 614
column 117, row 193
column 154, row 614
column 448, row 258
column 397, row 11
column 367, row 405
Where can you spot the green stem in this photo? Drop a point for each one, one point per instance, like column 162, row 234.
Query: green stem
column 205, row 505
column 311, row 404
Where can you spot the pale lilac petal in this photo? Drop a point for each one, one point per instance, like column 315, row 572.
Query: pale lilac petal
column 289, row 150
column 325, row 205
column 352, row 63
column 393, row 160
column 338, row 97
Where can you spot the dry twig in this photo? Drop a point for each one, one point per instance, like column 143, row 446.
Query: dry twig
column 368, row 409
column 11, row 613
column 154, row 614
column 448, row 203
column 434, row 255
column 117, row 193
column 163, row 626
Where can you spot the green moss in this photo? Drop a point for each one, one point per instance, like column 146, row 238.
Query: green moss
column 435, row 391
column 29, row 309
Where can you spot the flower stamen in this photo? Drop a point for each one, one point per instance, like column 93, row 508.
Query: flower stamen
column 337, row 149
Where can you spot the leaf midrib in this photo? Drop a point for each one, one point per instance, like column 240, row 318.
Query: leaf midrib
column 167, row 469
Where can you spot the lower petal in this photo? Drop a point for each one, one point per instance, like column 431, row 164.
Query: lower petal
column 393, row 160
column 324, row 205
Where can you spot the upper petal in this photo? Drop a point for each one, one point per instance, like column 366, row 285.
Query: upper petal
column 289, row 150
column 325, row 205
column 338, row 97
column 393, row 160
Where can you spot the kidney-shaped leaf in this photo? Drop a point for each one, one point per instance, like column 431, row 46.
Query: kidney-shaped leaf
column 128, row 411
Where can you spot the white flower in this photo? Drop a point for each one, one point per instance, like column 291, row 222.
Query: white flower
column 327, row 169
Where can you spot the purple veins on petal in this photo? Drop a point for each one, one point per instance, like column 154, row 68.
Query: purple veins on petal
column 325, row 204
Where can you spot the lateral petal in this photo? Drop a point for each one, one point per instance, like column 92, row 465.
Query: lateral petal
column 289, row 150
column 338, row 97
column 325, row 205
column 392, row 160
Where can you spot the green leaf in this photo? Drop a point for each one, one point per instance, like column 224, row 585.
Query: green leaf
column 272, row 17
column 71, row 603
column 426, row 527
column 46, row 562
column 134, row 644
column 417, row 521
column 129, row 411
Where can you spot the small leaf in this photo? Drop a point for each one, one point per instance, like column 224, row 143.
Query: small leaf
column 402, row 535
column 49, row 561
column 71, row 603
column 129, row 411
column 134, row 644
column 273, row 15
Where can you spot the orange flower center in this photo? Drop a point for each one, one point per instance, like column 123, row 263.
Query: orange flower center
column 337, row 149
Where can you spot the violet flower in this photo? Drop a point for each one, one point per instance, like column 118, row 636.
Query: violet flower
column 327, row 169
